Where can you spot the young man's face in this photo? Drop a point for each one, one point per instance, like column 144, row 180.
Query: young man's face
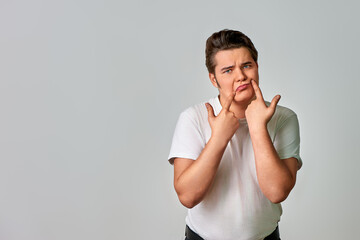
column 234, row 70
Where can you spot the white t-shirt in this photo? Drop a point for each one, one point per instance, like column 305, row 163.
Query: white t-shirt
column 234, row 206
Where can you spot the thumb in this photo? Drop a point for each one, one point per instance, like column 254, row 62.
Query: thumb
column 274, row 102
column 210, row 110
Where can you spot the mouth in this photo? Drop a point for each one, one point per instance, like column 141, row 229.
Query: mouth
column 242, row 87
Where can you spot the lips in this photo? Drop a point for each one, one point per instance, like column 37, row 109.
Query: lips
column 242, row 87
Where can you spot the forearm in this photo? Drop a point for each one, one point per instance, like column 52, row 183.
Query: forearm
column 193, row 184
column 275, row 178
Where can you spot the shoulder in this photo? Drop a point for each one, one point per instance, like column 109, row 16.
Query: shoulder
column 284, row 112
column 282, row 115
column 198, row 112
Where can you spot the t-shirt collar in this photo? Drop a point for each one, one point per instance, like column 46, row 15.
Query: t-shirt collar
column 217, row 107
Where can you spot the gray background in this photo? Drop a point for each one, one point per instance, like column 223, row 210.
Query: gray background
column 90, row 92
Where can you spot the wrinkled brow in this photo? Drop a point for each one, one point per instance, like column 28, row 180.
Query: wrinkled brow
column 226, row 68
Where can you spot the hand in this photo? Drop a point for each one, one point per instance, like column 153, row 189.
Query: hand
column 224, row 125
column 257, row 113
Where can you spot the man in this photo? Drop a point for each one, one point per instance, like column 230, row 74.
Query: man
column 235, row 157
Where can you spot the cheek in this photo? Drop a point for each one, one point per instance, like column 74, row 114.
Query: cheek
column 226, row 82
column 255, row 75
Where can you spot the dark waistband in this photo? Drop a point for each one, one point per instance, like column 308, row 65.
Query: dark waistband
column 191, row 235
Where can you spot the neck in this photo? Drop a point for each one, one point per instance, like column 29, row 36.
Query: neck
column 238, row 110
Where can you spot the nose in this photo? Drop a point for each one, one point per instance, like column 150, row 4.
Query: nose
column 240, row 76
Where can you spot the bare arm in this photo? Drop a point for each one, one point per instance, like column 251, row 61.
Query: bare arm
column 276, row 176
column 192, row 179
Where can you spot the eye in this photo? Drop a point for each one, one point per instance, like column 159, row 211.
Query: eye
column 228, row 71
column 247, row 66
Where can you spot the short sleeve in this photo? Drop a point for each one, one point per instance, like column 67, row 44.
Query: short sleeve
column 287, row 139
column 188, row 141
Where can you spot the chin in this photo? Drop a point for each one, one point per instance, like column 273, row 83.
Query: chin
column 243, row 98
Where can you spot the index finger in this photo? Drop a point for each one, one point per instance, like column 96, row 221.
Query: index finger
column 257, row 90
column 229, row 100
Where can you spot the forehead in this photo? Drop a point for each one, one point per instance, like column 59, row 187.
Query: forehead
column 232, row 57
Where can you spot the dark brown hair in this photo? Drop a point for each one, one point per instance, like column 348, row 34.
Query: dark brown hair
column 224, row 40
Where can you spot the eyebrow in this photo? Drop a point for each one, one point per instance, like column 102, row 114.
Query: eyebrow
column 246, row 63
column 226, row 68
column 229, row 67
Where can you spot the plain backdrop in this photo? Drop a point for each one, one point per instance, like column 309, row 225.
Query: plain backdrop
column 90, row 92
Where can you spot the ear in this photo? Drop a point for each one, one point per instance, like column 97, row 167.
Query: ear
column 212, row 79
